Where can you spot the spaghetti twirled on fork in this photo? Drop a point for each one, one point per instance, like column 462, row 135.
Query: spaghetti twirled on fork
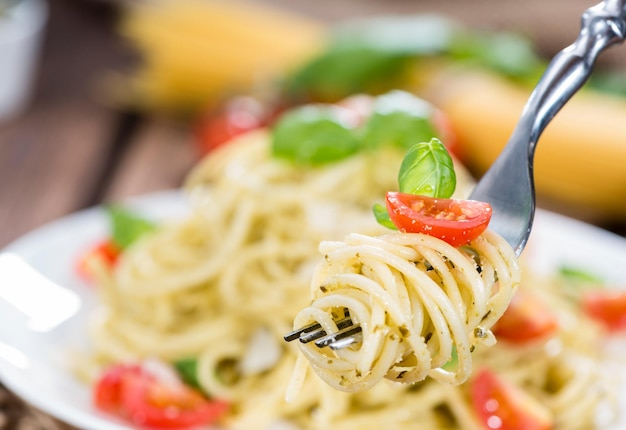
column 418, row 301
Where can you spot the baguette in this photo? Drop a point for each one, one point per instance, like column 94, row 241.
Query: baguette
column 580, row 157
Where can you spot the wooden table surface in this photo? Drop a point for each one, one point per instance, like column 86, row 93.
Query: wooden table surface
column 69, row 150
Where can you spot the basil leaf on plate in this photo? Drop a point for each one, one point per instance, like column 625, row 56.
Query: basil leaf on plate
column 400, row 119
column 577, row 274
column 427, row 169
column 126, row 227
column 315, row 134
column 187, row 369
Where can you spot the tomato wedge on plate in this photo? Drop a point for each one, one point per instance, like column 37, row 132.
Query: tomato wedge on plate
column 500, row 405
column 238, row 116
column 607, row 307
column 108, row 389
column 526, row 319
column 453, row 220
column 133, row 393
column 106, row 251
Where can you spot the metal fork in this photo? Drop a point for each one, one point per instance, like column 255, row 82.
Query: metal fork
column 509, row 183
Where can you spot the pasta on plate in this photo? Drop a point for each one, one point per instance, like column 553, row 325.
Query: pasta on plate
column 224, row 285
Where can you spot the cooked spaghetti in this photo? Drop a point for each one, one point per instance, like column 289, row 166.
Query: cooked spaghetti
column 416, row 298
column 224, row 284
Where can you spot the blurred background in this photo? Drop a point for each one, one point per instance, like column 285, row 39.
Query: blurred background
column 103, row 100
column 116, row 91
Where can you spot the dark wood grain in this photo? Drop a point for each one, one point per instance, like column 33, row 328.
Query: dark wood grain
column 160, row 156
column 51, row 156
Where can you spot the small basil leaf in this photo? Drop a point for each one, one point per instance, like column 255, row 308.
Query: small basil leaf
column 187, row 369
column 382, row 216
column 400, row 119
column 315, row 134
column 579, row 275
column 427, row 169
column 126, row 227
column 453, row 363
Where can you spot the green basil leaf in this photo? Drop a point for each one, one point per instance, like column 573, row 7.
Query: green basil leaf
column 315, row 134
column 126, row 227
column 382, row 216
column 339, row 73
column 400, row 119
column 579, row 275
column 427, row 169
column 507, row 53
column 187, row 369
column 370, row 55
column 453, row 363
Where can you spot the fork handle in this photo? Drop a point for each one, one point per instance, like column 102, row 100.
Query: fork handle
column 602, row 25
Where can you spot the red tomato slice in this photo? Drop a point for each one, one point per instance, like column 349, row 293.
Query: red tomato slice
column 240, row 115
column 360, row 104
column 153, row 404
column 131, row 392
column 106, row 251
column 500, row 405
column 606, row 306
column 108, row 389
column 455, row 221
column 526, row 319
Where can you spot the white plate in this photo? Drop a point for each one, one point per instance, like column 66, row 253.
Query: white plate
column 43, row 321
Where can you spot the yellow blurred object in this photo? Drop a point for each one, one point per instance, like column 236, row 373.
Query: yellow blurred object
column 579, row 158
column 194, row 52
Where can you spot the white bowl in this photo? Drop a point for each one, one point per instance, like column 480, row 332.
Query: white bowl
column 21, row 34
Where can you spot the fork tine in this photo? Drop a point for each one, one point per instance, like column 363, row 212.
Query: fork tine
column 315, row 327
column 342, row 335
column 293, row 335
column 356, row 337
column 314, row 335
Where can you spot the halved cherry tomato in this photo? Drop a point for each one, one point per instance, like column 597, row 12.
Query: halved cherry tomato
column 106, row 251
column 500, row 405
column 452, row 220
column 133, row 393
column 606, row 306
column 108, row 389
column 153, row 404
column 526, row 319
column 239, row 115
